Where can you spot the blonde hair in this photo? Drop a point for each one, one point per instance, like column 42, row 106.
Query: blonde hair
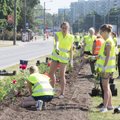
column 33, row 69
column 66, row 24
column 92, row 30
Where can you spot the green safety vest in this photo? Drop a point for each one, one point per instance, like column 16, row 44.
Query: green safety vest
column 115, row 40
column 111, row 65
column 40, row 85
column 76, row 38
column 65, row 45
column 89, row 40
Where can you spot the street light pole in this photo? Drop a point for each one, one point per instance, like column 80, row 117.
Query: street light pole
column 25, row 15
column 14, row 41
column 44, row 19
column 53, row 24
column 94, row 21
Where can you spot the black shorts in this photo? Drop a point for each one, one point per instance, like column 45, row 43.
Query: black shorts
column 87, row 52
column 46, row 98
column 58, row 61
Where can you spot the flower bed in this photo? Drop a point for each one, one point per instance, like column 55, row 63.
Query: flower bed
column 13, row 86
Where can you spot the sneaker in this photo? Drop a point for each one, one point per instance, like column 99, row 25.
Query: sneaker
column 39, row 105
column 118, row 77
column 61, row 97
column 103, row 110
column 110, row 107
column 101, row 105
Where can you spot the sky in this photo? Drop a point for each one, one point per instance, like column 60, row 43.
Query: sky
column 53, row 5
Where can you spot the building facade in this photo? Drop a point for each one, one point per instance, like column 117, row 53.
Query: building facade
column 85, row 7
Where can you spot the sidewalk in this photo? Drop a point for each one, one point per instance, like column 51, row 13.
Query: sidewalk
column 7, row 43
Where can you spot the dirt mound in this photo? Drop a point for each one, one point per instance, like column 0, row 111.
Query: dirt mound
column 75, row 105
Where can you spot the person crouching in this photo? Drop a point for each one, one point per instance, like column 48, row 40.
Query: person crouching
column 40, row 89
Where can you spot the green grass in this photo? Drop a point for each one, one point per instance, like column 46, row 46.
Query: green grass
column 94, row 113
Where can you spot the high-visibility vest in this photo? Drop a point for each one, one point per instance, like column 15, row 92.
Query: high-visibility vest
column 76, row 38
column 65, row 44
column 98, row 43
column 115, row 41
column 111, row 65
column 89, row 42
column 40, row 85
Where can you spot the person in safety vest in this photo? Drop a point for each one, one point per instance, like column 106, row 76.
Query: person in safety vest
column 87, row 48
column 76, row 40
column 62, row 54
column 95, row 50
column 40, row 89
column 106, row 65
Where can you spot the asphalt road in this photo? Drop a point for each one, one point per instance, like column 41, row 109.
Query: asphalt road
column 25, row 51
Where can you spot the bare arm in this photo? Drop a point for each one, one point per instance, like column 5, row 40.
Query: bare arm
column 56, row 41
column 107, row 53
column 29, row 87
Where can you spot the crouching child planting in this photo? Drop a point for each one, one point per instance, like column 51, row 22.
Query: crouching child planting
column 40, row 89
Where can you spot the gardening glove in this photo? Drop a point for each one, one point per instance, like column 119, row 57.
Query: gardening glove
column 104, row 69
column 71, row 63
column 93, row 58
column 57, row 48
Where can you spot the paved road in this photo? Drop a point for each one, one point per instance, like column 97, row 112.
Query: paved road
column 25, row 51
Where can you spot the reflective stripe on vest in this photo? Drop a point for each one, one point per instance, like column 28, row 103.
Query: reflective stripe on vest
column 98, row 44
column 39, row 83
column 64, row 50
column 107, row 67
column 110, row 58
column 98, row 47
column 111, row 66
column 43, row 90
column 60, row 57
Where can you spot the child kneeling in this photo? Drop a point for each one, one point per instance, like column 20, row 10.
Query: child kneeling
column 40, row 89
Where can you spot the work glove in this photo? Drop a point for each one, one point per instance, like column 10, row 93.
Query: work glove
column 93, row 58
column 71, row 63
column 57, row 48
column 104, row 69
column 57, row 51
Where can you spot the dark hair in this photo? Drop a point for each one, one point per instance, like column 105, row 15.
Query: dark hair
column 65, row 23
column 106, row 27
column 114, row 34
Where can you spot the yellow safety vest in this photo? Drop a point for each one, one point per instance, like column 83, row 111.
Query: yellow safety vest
column 40, row 85
column 111, row 65
column 76, row 38
column 65, row 45
column 89, row 42
column 115, row 41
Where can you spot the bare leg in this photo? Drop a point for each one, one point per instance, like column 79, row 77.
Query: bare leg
column 53, row 69
column 62, row 77
column 107, row 93
column 110, row 97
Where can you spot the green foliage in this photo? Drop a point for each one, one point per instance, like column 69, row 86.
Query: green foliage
column 43, row 68
column 10, row 85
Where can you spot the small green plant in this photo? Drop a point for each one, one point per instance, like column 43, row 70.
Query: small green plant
column 43, row 68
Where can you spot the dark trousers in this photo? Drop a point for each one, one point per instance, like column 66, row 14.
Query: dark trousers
column 92, row 66
column 119, row 63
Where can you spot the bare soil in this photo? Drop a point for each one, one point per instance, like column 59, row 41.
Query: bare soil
column 75, row 105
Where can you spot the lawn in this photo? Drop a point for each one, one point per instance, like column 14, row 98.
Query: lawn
column 94, row 113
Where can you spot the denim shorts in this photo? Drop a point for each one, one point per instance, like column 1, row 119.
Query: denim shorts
column 46, row 98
